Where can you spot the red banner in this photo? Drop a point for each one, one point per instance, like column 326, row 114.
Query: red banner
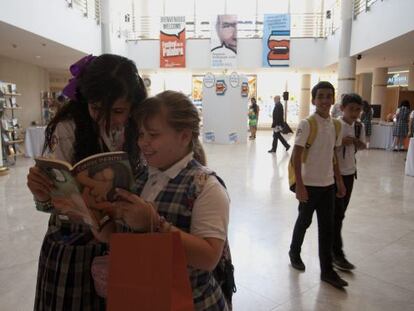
column 172, row 42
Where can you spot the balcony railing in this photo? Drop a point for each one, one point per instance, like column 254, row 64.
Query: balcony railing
column 89, row 8
column 312, row 25
column 362, row 6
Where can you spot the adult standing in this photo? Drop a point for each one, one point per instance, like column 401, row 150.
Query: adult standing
column 366, row 119
column 277, row 125
column 400, row 131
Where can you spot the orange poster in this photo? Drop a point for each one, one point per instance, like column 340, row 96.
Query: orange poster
column 172, row 42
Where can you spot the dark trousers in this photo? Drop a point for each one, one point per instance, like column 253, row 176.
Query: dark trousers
column 340, row 207
column 321, row 199
column 278, row 136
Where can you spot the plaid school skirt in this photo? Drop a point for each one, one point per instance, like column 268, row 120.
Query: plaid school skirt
column 400, row 129
column 64, row 280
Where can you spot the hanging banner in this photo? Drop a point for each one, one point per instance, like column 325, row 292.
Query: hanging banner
column 224, row 41
column 172, row 42
column 276, row 40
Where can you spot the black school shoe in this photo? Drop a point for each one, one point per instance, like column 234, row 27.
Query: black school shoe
column 296, row 262
column 334, row 279
column 342, row 263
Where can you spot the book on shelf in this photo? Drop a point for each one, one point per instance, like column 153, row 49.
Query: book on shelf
column 90, row 184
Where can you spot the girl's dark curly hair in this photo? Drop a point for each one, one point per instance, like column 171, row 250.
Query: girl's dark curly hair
column 105, row 80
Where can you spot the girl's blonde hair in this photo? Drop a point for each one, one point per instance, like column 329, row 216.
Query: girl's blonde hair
column 180, row 114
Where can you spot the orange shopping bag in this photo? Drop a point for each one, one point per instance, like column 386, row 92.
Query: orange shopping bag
column 148, row 272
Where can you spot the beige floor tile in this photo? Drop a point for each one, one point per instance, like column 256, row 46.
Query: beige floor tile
column 378, row 234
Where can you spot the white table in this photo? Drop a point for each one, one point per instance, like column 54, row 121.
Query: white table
column 409, row 163
column 34, row 140
column 381, row 136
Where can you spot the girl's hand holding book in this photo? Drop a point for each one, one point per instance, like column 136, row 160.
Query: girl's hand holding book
column 39, row 184
column 66, row 206
column 134, row 211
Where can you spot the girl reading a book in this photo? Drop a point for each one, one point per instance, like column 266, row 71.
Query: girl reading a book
column 102, row 93
column 176, row 192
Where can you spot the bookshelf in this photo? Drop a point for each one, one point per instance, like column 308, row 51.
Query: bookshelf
column 10, row 129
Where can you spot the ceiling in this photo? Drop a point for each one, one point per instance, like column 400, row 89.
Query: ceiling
column 398, row 52
column 30, row 48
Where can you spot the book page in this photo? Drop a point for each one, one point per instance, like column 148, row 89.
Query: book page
column 66, row 187
column 99, row 176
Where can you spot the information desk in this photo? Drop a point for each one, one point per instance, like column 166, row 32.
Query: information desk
column 381, row 136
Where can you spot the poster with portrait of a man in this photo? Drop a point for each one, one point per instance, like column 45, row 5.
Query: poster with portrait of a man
column 224, row 41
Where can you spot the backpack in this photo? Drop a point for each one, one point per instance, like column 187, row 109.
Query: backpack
column 313, row 131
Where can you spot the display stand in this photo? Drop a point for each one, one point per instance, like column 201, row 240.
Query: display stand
column 225, row 108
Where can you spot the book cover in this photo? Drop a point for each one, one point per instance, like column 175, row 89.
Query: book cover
column 90, row 183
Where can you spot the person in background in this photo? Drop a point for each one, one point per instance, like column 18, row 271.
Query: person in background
column 366, row 119
column 353, row 139
column 253, row 117
column 400, row 131
column 317, row 181
column 277, row 125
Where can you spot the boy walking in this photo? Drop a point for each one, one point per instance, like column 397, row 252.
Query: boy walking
column 353, row 134
column 315, row 181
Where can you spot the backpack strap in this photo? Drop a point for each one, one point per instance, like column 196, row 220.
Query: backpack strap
column 313, row 131
column 338, row 128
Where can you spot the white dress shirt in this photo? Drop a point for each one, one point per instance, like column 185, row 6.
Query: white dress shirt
column 318, row 170
column 346, row 162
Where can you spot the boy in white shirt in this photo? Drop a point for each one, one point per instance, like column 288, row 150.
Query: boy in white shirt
column 315, row 182
column 353, row 139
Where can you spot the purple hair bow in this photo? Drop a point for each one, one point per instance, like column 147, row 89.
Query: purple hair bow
column 76, row 69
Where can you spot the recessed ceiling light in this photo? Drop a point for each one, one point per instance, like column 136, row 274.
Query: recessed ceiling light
column 37, row 56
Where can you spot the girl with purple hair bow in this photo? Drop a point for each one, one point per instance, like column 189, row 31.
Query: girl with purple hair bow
column 103, row 92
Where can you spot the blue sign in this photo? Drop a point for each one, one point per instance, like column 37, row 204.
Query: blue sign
column 276, row 40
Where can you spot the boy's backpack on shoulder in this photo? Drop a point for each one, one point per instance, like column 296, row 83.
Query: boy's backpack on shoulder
column 313, row 131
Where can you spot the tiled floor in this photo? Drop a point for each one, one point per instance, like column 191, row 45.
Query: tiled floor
column 378, row 234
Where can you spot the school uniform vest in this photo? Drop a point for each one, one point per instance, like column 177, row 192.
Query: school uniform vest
column 175, row 203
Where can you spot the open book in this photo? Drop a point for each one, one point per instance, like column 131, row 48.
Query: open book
column 90, row 183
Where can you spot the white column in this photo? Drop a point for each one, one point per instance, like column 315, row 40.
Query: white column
column 105, row 26
column 379, row 90
column 305, row 96
column 346, row 64
column 411, row 78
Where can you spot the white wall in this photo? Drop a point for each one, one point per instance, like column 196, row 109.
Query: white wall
column 54, row 20
column 331, row 49
column 145, row 53
column 30, row 81
column 384, row 21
